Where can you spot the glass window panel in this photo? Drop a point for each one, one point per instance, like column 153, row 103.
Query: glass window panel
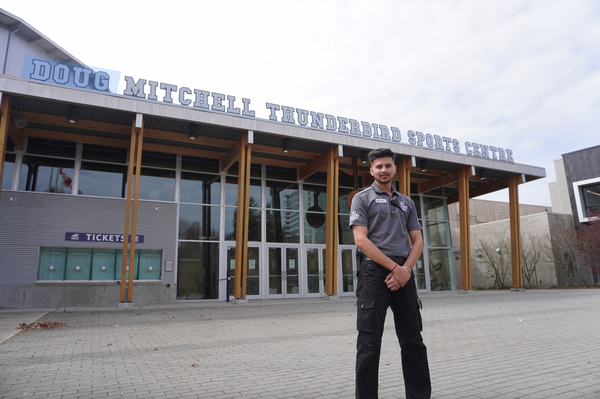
column 255, row 170
column 197, row 222
column 438, row 234
column 159, row 159
column 283, row 226
column 254, row 225
column 48, row 175
column 231, row 192
column 291, row 271
column 440, row 192
column 312, row 270
column 440, row 270
column 253, row 277
column 280, row 173
column 417, row 200
column 420, row 274
column 275, row 286
column 343, row 194
column 157, row 184
column 347, row 271
column 119, row 264
column 316, row 234
column 198, row 270
column 592, row 198
column 314, row 198
column 52, row 264
column 104, row 153
column 414, row 188
column 10, row 147
column 345, row 179
column 79, row 264
column 199, row 164
column 435, row 208
column 104, row 264
column 200, row 188
column 280, row 195
column 8, row 171
column 345, row 232
column 55, row 148
column 103, row 180
column 150, row 265
column 317, row 178
column 231, row 271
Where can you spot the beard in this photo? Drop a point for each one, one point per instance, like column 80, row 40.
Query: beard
column 385, row 180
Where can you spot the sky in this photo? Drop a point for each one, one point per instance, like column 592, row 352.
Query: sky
column 517, row 74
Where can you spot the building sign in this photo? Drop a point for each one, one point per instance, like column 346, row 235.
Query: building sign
column 96, row 237
column 70, row 74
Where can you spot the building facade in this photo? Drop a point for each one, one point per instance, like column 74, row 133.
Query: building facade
column 158, row 193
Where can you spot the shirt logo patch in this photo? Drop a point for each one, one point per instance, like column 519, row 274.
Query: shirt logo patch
column 403, row 206
column 381, row 200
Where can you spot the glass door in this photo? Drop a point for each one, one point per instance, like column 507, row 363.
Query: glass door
column 347, row 273
column 253, row 275
column 315, row 272
column 284, row 277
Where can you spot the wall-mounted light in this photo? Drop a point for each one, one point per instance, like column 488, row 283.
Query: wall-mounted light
column 73, row 114
column 364, row 157
column 424, row 167
column 193, row 131
column 483, row 174
column 20, row 122
column 287, row 145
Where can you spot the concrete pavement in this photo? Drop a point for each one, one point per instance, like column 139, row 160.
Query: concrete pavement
column 492, row 344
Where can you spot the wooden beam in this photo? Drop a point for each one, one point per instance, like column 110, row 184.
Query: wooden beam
column 49, row 134
column 241, row 225
column 331, row 220
column 82, row 124
column 184, row 138
column 233, row 155
column 139, row 131
column 515, row 230
column 317, row 164
column 444, row 180
column 403, row 168
column 16, row 136
column 267, row 149
column 127, row 213
column 465, row 227
column 476, row 192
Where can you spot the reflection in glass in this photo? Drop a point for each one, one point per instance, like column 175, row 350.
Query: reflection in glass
column 275, row 286
column 291, row 271
column 441, row 270
column 253, row 280
column 8, row 171
column 346, row 237
column 231, row 271
column 231, row 192
column 435, row 208
column 150, row 265
column 79, row 263
column 420, row 274
column 198, row 222
column 200, row 188
column 198, row 270
column 103, row 180
column 157, row 184
column 347, row 271
column 281, row 195
column 314, row 235
column 591, row 198
column 52, row 264
column 343, row 199
column 254, row 225
column 417, row 200
column 314, row 198
column 283, row 226
column 438, row 234
column 103, row 264
column 136, row 262
column 312, row 270
column 48, row 175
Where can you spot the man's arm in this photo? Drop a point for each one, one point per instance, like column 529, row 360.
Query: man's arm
column 401, row 274
column 400, row 277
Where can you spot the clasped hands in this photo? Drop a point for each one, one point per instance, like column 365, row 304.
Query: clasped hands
column 398, row 278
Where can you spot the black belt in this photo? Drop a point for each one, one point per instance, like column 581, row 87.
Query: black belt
column 398, row 259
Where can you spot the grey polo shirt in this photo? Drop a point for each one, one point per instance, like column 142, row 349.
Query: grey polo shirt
column 387, row 225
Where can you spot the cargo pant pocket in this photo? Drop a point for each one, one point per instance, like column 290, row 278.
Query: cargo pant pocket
column 364, row 318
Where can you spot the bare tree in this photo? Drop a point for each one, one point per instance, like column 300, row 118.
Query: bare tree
column 564, row 248
column 531, row 254
column 495, row 257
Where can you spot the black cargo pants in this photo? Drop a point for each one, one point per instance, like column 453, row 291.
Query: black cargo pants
column 373, row 300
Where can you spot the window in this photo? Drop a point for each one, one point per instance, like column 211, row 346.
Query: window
column 8, row 171
column 587, row 197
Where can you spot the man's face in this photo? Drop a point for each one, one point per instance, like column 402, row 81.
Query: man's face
column 383, row 170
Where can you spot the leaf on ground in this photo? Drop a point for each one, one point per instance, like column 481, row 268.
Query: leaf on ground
column 41, row 325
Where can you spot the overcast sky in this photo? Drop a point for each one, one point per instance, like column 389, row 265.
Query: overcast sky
column 516, row 74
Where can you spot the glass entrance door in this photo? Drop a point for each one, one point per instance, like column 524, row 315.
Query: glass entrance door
column 315, row 272
column 347, row 274
column 253, row 275
column 284, row 276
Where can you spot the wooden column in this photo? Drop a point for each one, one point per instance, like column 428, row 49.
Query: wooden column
column 4, row 121
column 135, row 155
column 331, row 228
column 243, row 211
column 515, row 230
column 403, row 166
column 465, row 228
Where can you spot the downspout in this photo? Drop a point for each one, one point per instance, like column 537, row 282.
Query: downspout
column 8, row 47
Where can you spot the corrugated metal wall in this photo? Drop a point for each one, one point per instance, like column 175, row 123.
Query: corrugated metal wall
column 31, row 220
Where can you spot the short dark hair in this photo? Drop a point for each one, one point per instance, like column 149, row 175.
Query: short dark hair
column 381, row 153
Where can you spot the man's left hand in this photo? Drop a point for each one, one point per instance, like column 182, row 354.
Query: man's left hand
column 398, row 278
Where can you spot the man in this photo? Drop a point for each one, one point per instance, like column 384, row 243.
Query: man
column 382, row 221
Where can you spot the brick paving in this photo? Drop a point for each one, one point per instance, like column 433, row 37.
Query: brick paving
column 533, row 344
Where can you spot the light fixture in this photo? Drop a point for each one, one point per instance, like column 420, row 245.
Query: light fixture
column 287, row 145
column 483, row 175
column 73, row 114
column 364, row 157
column 193, row 131
column 424, row 167
column 20, row 122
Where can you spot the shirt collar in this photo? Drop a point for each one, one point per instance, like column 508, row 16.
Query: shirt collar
column 378, row 189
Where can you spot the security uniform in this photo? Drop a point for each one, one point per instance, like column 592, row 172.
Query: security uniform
column 388, row 221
